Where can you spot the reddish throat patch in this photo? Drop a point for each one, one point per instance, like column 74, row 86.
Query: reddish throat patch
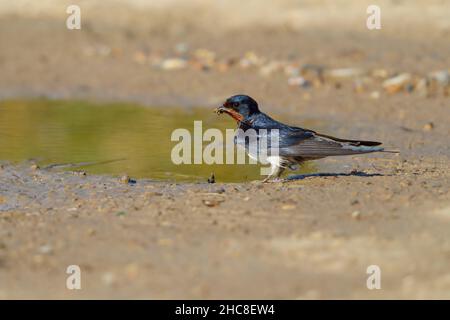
column 235, row 115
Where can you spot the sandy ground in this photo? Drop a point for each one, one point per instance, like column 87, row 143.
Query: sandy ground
column 308, row 238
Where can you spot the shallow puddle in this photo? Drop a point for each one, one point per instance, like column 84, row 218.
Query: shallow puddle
column 137, row 138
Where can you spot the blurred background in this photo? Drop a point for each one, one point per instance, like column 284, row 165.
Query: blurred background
column 136, row 70
column 125, row 49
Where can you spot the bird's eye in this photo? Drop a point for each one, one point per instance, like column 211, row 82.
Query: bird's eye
column 236, row 104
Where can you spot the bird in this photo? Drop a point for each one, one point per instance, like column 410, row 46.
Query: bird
column 295, row 145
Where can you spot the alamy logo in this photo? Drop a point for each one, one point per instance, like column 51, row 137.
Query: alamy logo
column 73, row 22
column 73, row 281
column 260, row 145
column 374, row 280
column 374, row 19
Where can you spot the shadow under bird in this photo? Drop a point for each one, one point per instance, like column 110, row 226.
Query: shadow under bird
column 295, row 145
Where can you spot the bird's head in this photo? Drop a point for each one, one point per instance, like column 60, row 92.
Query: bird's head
column 239, row 107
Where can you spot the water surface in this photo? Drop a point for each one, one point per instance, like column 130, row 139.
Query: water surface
column 61, row 132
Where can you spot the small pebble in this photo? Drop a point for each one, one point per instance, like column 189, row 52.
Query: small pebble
column 108, row 278
column 428, row 126
column 397, row 83
column 45, row 249
column 132, row 271
column 375, row 95
column 211, row 203
column 299, row 82
column 270, row 68
column 173, row 64
column 345, row 73
column 140, row 57
column 356, row 215
column 442, row 77
column 181, row 47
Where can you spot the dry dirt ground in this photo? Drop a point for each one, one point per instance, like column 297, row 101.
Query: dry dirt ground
column 307, row 238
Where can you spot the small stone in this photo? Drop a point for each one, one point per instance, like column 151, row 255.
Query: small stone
column 356, row 215
column 397, row 83
column 292, row 71
column 153, row 193
column 108, row 278
column 250, row 59
column 442, row 77
column 140, row 57
column 166, row 224
column 422, row 87
column 132, row 271
column 317, row 71
column 270, row 68
column 380, row 73
column 345, row 73
column 288, row 207
column 173, row 64
column 211, row 203
column 428, row 126
column 299, row 82
column 34, row 167
column 205, row 55
column 409, row 87
column 181, row 47
column 375, row 95
column 45, row 249
column 358, row 86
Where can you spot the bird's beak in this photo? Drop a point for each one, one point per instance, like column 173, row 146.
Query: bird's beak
column 234, row 114
column 220, row 109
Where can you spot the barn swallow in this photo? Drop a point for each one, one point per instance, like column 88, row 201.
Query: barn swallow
column 295, row 145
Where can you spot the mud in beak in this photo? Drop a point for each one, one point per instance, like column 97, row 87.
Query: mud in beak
column 234, row 114
column 220, row 110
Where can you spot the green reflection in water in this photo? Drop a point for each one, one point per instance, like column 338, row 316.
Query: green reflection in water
column 56, row 132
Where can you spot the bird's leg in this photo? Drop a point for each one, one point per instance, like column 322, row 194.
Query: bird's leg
column 274, row 176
